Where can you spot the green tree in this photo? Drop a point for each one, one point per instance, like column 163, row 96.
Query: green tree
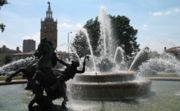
column 2, row 56
column 124, row 35
column 2, row 2
column 80, row 44
column 7, row 59
column 93, row 30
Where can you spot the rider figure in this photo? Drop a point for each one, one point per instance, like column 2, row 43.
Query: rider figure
column 44, row 53
column 71, row 69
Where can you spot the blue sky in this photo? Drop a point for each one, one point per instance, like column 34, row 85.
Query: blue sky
column 157, row 21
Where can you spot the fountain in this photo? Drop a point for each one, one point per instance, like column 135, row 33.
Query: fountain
column 164, row 63
column 116, row 54
column 13, row 66
column 107, row 82
column 141, row 52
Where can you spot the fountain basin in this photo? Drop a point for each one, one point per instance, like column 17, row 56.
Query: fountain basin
column 109, row 86
column 110, row 90
column 106, row 77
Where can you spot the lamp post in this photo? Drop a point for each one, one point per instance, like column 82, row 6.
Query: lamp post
column 68, row 43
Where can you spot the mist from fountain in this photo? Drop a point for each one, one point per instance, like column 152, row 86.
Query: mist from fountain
column 105, row 33
column 106, row 61
column 121, row 51
column 110, row 78
column 90, row 47
column 106, row 46
column 164, row 63
column 139, row 54
column 13, row 66
column 75, row 52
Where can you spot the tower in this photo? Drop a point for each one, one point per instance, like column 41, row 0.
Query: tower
column 49, row 27
column 29, row 45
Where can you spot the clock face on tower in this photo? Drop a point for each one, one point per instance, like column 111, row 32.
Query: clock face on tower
column 45, row 27
column 49, row 31
column 49, row 27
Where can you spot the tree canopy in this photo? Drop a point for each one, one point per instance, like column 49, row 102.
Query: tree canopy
column 2, row 2
column 80, row 44
column 124, row 35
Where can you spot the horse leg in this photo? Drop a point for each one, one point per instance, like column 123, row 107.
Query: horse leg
column 30, row 105
column 64, row 96
column 64, row 102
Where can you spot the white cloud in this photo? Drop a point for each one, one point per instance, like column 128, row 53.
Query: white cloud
column 169, row 43
column 10, row 14
column 18, row 2
column 157, row 13
column 66, row 25
column 145, row 27
column 62, row 47
column 165, row 13
column 176, row 10
column 63, row 28
column 78, row 25
column 168, row 12
column 157, row 44
column 70, row 25
column 2, row 43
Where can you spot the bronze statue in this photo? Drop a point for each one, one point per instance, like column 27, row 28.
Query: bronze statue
column 44, row 73
column 54, row 85
column 44, row 102
column 41, row 77
column 58, row 90
column 71, row 69
column 28, row 72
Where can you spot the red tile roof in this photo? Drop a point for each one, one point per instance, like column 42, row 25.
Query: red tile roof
column 23, row 54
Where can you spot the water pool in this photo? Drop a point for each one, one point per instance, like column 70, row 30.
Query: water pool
column 164, row 96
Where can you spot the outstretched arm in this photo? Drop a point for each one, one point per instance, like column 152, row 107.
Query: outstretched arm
column 84, row 63
column 62, row 62
column 9, row 78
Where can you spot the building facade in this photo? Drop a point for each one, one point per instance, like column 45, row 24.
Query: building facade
column 173, row 50
column 6, row 50
column 29, row 45
column 49, row 27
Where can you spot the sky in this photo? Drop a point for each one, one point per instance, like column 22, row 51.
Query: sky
column 157, row 21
